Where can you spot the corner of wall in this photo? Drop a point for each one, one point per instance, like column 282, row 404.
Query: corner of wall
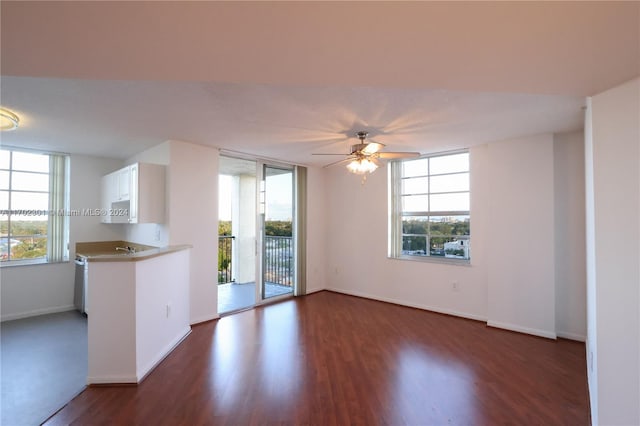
column 316, row 229
column 193, row 164
column 613, row 206
column 520, row 277
column 569, row 235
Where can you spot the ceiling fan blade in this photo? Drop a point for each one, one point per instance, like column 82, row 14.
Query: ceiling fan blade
column 332, row 154
column 372, row 148
column 396, row 155
column 338, row 162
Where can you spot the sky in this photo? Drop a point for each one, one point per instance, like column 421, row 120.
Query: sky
column 279, row 197
column 224, row 197
column 31, row 174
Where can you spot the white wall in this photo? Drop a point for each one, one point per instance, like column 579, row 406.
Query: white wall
column 356, row 244
column 590, row 259
column 162, row 307
column 111, row 324
column 613, row 241
column 520, row 275
column 316, row 229
column 570, row 264
column 40, row 289
column 512, row 205
column 193, row 213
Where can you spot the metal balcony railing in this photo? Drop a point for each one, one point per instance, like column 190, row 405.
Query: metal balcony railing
column 225, row 251
column 278, row 260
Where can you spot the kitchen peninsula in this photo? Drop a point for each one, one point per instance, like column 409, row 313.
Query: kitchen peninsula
column 139, row 307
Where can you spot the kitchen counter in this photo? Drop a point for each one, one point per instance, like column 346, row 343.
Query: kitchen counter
column 139, row 307
column 105, row 251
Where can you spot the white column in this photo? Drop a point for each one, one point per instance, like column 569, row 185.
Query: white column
column 246, row 231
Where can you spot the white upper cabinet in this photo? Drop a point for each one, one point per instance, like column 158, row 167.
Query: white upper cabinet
column 134, row 194
column 124, row 183
column 133, row 191
column 108, row 187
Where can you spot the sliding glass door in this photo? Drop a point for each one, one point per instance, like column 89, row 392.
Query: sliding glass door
column 260, row 217
column 277, row 232
column 237, row 279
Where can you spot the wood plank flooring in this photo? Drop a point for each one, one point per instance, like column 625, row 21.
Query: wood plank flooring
column 331, row 359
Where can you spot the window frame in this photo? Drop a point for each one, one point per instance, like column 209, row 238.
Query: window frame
column 57, row 234
column 396, row 213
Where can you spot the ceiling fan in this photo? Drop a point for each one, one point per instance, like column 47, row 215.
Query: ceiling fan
column 365, row 156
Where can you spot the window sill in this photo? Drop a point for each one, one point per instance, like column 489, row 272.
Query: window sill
column 433, row 259
column 28, row 262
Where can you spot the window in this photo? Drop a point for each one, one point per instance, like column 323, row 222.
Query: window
column 33, row 222
column 429, row 207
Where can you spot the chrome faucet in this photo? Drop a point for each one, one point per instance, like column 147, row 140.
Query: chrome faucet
column 128, row 249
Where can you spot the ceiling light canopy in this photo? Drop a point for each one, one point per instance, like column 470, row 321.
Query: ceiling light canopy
column 8, row 120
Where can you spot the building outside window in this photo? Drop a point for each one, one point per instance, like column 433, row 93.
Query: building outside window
column 429, row 207
column 33, row 206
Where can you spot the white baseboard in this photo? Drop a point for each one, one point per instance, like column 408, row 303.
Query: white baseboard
column 143, row 372
column 105, row 380
column 164, row 352
column 571, row 336
column 317, row 290
column 204, row 319
column 496, row 324
column 36, row 312
column 410, row 305
column 520, row 329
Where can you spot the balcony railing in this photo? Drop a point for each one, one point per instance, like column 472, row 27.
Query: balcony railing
column 278, row 260
column 225, row 251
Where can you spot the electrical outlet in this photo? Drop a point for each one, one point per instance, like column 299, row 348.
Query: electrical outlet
column 168, row 309
column 455, row 286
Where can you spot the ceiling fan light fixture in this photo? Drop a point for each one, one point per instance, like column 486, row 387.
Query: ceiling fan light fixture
column 8, row 120
column 365, row 156
column 361, row 166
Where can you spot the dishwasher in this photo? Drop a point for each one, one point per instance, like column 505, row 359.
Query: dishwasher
column 80, row 289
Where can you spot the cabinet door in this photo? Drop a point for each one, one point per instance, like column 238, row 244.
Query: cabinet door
column 133, row 193
column 124, row 184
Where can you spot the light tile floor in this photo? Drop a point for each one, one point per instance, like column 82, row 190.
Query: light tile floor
column 233, row 296
column 44, row 365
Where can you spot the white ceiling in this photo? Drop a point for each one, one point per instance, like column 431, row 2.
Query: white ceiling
column 121, row 118
column 285, row 80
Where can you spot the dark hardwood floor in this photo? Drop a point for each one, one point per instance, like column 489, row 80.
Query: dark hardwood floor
column 328, row 358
